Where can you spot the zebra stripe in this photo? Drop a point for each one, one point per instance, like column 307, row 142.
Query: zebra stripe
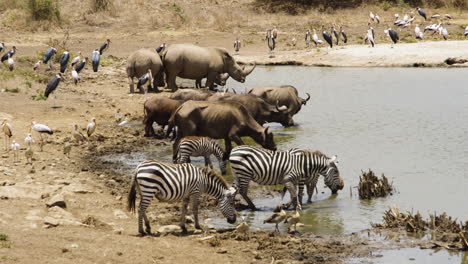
column 332, row 178
column 175, row 182
column 289, row 168
column 201, row 146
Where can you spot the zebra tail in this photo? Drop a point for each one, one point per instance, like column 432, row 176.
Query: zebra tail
column 132, row 194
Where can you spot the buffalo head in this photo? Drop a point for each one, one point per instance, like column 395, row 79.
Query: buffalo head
column 265, row 138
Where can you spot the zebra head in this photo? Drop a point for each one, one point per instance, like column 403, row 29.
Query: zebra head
column 332, row 176
column 226, row 204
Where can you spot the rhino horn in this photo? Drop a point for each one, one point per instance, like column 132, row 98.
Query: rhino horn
column 306, row 100
column 281, row 108
column 247, row 72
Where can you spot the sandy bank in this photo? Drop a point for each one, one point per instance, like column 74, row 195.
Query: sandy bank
column 421, row 54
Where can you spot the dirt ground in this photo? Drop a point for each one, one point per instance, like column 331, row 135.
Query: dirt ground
column 95, row 227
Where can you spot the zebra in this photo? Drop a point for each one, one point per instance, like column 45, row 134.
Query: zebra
column 201, row 146
column 332, row 181
column 289, row 168
column 175, row 182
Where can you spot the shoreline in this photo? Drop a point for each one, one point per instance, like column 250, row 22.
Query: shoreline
column 422, row 54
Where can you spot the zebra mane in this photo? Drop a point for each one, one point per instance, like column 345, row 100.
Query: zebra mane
column 210, row 173
column 315, row 152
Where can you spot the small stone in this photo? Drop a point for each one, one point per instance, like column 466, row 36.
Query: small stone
column 57, row 200
column 119, row 253
column 50, row 222
column 118, row 231
column 118, row 198
column 221, row 251
column 197, row 231
column 120, row 214
column 169, row 229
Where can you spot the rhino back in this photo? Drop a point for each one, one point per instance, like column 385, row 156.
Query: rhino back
column 141, row 60
column 191, row 61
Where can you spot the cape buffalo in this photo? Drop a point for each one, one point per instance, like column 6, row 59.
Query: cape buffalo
column 158, row 109
column 285, row 95
column 218, row 120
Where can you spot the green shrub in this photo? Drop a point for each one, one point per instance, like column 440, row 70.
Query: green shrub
column 44, row 10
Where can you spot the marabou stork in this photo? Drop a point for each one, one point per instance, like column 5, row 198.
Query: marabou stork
column 36, row 65
column 10, row 52
column 270, row 40
column 95, row 58
column 161, row 48
column 393, row 36
column 466, row 31
column 50, row 52
column 307, row 38
column 343, row 34
column 327, row 37
column 147, row 77
column 81, row 65
column 422, row 13
column 64, row 61
column 337, row 36
column 104, row 47
column 2, row 46
column 52, row 86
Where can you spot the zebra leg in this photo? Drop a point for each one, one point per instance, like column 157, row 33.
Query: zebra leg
column 142, row 215
column 183, row 214
column 208, row 162
column 292, row 190
column 195, row 199
column 301, row 192
column 243, row 191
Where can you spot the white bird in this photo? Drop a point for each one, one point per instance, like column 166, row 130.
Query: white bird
column 419, row 34
column 405, row 18
column 75, row 76
column 444, row 33
column 315, row 38
column 76, row 59
column 372, row 16
column 294, row 219
column 29, row 140
column 396, row 16
column 37, row 64
column 466, row 31
column 8, row 132
column 78, row 135
column 41, row 129
column 91, row 127
column 29, row 155
column 11, row 63
column 448, row 16
column 15, row 147
column 294, row 41
column 435, row 16
column 377, row 18
column 118, row 116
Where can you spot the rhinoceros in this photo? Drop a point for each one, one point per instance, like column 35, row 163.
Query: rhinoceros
column 194, row 62
column 138, row 64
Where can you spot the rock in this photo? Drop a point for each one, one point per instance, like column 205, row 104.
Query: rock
column 57, row 200
column 189, row 219
column 169, row 229
column 118, row 231
column 58, row 216
column 120, row 214
column 7, row 183
column 197, row 231
column 221, row 251
column 50, row 222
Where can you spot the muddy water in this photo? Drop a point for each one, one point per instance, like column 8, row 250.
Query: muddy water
column 411, row 124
